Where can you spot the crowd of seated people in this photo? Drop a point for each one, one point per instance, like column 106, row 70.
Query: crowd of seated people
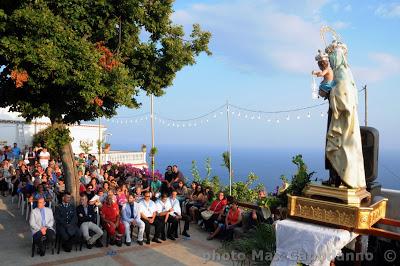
column 113, row 201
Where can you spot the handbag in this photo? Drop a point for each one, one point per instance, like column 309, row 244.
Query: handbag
column 206, row 214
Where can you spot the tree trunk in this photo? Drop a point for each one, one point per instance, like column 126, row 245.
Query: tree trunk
column 70, row 172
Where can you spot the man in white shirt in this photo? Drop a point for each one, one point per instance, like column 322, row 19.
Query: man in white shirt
column 163, row 210
column 44, row 157
column 176, row 215
column 148, row 212
column 42, row 226
column 131, row 216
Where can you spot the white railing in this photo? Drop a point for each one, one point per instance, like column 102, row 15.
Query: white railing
column 123, row 157
column 392, row 209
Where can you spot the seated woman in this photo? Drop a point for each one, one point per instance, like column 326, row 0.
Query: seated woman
column 232, row 220
column 198, row 201
column 217, row 207
column 182, row 191
column 121, row 196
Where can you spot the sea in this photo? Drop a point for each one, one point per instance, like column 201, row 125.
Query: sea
column 267, row 163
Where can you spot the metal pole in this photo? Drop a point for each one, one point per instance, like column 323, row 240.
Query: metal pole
column 152, row 131
column 229, row 146
column 99, row 144
column 366, row 105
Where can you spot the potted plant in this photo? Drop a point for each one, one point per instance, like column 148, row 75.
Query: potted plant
column 144, row 148
column 107, row 147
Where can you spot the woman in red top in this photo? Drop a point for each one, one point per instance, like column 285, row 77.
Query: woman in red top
column 217, row 206
column 233, row 219
column 111, row 220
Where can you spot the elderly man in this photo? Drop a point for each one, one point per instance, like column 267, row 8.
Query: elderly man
column 42, row 226
column 87, row 221
column 148, row 212
column 67, row 223
column 112, row 221
column 131, row 216
column 176, row 215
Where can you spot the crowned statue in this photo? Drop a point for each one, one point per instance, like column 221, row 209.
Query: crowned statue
column 343, row 152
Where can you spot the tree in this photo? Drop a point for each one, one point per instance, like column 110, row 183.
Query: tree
column 80, row 60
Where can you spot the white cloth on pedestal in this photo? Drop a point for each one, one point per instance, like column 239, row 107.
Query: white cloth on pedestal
column 308, row 243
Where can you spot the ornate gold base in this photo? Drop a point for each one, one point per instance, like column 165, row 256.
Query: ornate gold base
column 337, row 214
column 345, row 195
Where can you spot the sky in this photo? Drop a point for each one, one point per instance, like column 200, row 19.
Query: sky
column 263, row 55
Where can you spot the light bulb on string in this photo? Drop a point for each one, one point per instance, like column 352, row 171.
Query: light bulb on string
column 269, row 120
column 309, row 115
column 239, row 114
column 277, row 121
column 245, row 116
column 233, row 113
column 206, row 120
column 135, row 120
column 322, row 114
column 221, row 113
column 288, row 118
column 168, row 124
column 183, row 125
column 215, row 116
column 298, row 117
column 173, row 124
column 259, row 117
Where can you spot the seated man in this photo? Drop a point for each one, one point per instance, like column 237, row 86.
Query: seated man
column 42, row 226
column 67, row 223
column 163, row 209
column 131, row 216
column 176, row 214
column 256, row 217
column 111, row 220
column 87, row 221
column 148, row 211
column 155, row 187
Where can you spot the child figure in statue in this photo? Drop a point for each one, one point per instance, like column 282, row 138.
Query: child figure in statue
column 326, row 71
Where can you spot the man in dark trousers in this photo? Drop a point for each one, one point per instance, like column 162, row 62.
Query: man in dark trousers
column 67, row 223
column 87, row 220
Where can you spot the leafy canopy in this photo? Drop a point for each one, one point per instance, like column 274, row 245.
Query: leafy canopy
column 73, row 60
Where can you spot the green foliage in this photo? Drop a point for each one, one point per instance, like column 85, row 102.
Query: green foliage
column 85, row 145
column 208, row 167
column 79, row 66
column 195, row 172
column 301, row 178
column 99, row 144
column 243, row 191
column 153, row 151
column 226, row 160
column 53, row 138
column 261, row 239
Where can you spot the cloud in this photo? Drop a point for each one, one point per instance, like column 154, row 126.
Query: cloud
column 262, row 35
column 338, row 25
column 384, row 66
column 389, row 10
column 337, row 7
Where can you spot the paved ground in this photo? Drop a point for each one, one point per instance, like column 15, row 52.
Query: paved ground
column 15, row 247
